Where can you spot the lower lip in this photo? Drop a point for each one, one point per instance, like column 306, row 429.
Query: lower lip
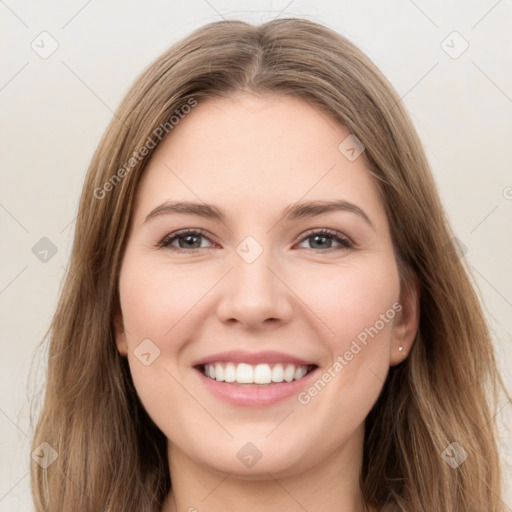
column 257, row 395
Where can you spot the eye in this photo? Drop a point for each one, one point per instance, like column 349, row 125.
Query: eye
column 193, row 239
column 326, row 239
column 185, row 239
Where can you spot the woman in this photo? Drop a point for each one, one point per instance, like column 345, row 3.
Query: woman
column 264, row 309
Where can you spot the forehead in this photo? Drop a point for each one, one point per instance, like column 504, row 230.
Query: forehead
column 256, row 152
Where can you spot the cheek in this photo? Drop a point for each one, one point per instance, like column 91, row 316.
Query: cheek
column 156, row 298
column 348, row 298
column 160, row 304
column 359, row 305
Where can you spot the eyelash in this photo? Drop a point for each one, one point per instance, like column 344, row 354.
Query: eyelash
column 344, row 242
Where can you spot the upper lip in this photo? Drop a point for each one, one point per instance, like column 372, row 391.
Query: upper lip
column 239, row 356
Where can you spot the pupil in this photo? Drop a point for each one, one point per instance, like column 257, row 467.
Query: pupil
column 189, row 241
column 320, row 240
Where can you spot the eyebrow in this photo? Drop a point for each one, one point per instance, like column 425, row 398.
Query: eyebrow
column 292, row 212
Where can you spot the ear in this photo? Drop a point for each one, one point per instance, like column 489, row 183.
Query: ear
column 406, row 322
column 120, row 335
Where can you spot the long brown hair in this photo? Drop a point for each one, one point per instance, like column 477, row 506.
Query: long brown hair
column 110, row 455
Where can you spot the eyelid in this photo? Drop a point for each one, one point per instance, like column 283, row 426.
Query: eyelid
column 344, row 241
column 169, row 238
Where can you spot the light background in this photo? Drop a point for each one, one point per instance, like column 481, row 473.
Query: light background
column 54, row 111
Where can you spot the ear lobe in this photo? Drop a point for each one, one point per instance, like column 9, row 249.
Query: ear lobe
column 406, row 323
column 120, row 336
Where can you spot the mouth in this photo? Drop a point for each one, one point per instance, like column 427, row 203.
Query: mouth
column 255, row 375
column 242, row 384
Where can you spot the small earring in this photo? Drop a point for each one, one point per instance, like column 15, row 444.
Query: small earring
column 400, row 348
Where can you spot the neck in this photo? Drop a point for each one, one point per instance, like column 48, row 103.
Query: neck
column 331, row 486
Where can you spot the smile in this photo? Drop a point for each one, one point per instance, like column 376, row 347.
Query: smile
column 257, row 380
column 264, row 373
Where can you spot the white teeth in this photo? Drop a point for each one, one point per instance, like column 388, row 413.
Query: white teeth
column 262, row 374
column 278, row 373
column 243, row 373
column 289, row 372
column 230, row 373
column 300, row 372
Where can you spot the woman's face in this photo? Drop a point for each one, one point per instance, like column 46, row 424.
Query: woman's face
column 260, row 250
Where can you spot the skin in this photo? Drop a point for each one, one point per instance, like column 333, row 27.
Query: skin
column 253, row 156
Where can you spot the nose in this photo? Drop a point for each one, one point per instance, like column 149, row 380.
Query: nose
column 254, row 295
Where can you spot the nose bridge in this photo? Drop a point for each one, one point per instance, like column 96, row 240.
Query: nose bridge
column 252, row 278
column 252, row 294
